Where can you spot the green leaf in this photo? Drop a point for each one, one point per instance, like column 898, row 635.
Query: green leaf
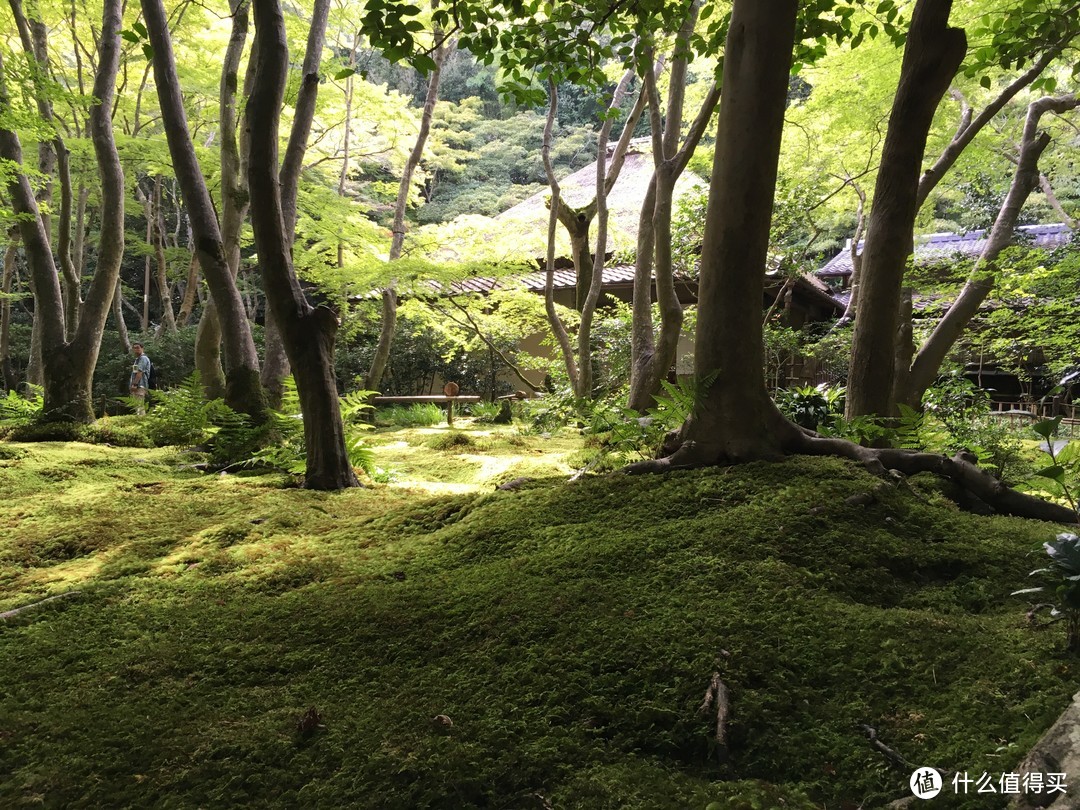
column 130, row 36
column 148, row 52
column 344, row 74
column 985, row 82
column 1047, row 427
column 139, row 29
column 1054, row 473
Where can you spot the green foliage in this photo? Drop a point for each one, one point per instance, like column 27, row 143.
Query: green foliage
column 16, row 409
column 1062, row 583
column 182, row 415
column 810, row 405
column 282, row 445
column 1059, row 479
column 421, row 414
column 485, row 412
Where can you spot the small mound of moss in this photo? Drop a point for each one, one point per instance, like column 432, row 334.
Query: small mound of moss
column 453, row 440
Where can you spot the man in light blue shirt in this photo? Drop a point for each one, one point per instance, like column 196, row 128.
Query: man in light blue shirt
column 140, row 377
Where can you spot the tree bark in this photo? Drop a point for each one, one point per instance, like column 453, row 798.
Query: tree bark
column 276, row 365
column 168, row 319
column 931, row 57
column 562, row 337
column 234, row 202
column 243, row 391
column 856, row 256
column 308, row 332
column 734, row 419
column 397, row 241
column 191, row 291
column 118, row 319
column 931, row 355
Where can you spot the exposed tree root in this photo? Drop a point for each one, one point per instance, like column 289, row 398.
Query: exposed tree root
column 883, row 462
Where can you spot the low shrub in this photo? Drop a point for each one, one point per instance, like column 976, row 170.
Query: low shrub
column 423, row 414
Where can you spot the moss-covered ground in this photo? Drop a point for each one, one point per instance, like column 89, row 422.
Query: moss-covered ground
column 568, row 632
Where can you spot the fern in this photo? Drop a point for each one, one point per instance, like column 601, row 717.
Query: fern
column 16, row 409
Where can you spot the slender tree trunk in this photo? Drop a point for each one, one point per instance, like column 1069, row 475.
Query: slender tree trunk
column 734, row 418
column 6, row 367
column 234, row 202
column 243, row 391
column 308, row 332
column 144, row 326
column 191, row 291
column 168, row 319
column 275, row 356
column 651, row 357
column 118, row 318
column 932, row 55
column 856, row 256
column 934, row 350
column 557, row 326
column 389, row 296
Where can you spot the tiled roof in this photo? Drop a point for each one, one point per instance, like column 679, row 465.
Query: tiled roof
column 938, row 246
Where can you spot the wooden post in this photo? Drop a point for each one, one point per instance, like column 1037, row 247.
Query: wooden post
column 451, row 390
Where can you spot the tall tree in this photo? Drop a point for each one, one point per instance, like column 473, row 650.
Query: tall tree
column 927, row 363
column 651, row 354
column 243, row 391
column 276, row 361
column 68, row 365
column 234, row 203
column 443, row 48
column 307, row 332
column 932, row 55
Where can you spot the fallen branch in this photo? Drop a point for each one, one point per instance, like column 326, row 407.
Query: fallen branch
column 7, row 614
column 718, row 695
column 896, row 759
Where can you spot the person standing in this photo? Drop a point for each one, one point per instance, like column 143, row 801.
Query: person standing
column 140, row 377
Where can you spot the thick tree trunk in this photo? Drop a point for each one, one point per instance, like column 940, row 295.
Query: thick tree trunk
column 307, row 332
column 734, row 419
column 242, row 389
column 932, row 55
column 927, row 363
column 389, row 296
column 69, row 367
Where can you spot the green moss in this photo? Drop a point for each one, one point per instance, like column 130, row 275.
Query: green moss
column 568, row 631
